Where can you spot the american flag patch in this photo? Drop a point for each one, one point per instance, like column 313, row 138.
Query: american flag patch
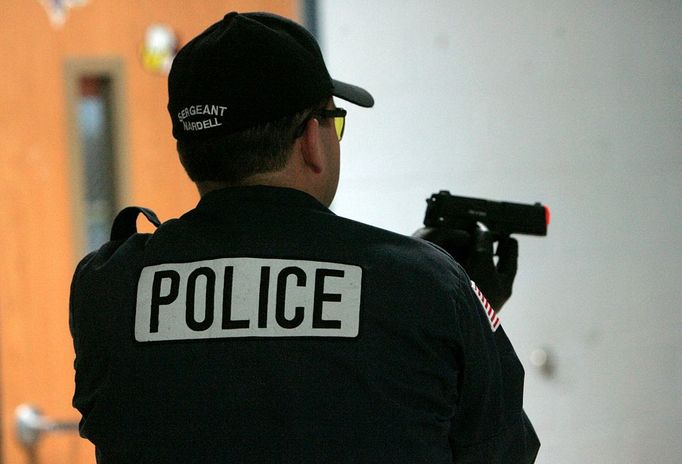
column 487, row 309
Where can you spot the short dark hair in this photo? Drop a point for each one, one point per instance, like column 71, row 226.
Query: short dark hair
column 234, row 157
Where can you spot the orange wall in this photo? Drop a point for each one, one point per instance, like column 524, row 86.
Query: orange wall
column 37, row 250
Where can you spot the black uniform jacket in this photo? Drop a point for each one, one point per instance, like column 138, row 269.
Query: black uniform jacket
column 262, row 328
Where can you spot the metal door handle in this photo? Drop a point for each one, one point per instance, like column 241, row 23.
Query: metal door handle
column 31, row 424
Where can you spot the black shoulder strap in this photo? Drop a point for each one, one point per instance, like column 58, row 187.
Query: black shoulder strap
column 125, row 223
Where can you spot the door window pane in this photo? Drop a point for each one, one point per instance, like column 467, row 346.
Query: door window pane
column 97, row 146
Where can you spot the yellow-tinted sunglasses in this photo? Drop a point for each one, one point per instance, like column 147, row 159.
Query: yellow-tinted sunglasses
column 339, row 115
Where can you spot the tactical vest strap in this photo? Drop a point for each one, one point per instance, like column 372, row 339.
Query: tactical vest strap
column 125, row 223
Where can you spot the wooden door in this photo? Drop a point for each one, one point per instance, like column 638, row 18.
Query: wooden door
column 42, row 214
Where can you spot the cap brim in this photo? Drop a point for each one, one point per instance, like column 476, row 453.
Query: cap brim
column 352, row 93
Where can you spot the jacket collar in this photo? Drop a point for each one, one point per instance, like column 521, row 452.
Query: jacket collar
column 231, row 197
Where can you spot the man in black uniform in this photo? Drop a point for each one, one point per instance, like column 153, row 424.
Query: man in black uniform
column 259, row 327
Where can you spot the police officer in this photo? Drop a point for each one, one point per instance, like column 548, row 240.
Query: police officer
column 260, row 327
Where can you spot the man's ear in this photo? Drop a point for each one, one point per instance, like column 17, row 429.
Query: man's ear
column 311, row 146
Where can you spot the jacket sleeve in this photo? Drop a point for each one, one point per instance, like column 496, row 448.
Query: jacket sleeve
column 90, row 361
column 489, row 425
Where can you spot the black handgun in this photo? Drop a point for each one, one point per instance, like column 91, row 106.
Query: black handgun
column 451, row 220
column 467, row 227
column 501, row 218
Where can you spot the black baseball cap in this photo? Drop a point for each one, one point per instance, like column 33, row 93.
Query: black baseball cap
column 248, row 69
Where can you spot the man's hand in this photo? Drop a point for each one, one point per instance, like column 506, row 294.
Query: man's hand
column 474, row 251
column 494, row 280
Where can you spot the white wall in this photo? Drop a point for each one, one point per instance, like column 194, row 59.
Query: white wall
column 574, row 103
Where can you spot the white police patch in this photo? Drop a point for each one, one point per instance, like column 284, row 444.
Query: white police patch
column 247, row 297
